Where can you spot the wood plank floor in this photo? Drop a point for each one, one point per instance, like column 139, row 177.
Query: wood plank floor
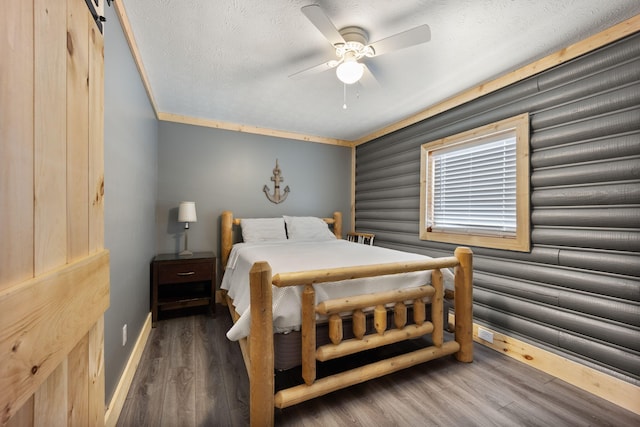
column 191, row 375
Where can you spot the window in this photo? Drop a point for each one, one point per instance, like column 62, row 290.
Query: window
column 474, row 187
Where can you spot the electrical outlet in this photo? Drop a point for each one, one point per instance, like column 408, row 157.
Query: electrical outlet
column 124, row 335
column 483, row 334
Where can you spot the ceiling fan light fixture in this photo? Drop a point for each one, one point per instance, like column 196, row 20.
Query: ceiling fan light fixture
column 349, row 72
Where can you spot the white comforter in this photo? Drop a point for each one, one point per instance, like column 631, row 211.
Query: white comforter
column 290, row 256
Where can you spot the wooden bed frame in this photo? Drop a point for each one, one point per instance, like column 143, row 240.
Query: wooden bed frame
column 258, row 350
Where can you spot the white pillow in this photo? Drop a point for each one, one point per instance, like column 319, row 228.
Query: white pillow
column 263, row 230
column 308, row 228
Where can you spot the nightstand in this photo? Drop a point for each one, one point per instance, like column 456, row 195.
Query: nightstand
column 182, row 282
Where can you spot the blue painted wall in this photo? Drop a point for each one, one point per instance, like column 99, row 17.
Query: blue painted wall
column 130, row 150
column 224, row 170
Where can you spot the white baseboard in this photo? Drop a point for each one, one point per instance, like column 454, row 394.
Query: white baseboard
column 112, row 413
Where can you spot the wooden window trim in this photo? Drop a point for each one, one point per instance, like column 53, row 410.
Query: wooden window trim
column 522, row 241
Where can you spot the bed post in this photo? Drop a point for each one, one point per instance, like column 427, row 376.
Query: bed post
column 226, row 236
column 463, row 304
column 261, row 381
column 337, row 224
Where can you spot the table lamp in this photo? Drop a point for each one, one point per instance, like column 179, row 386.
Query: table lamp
column 187, row 214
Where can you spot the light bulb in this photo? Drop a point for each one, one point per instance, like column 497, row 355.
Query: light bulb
column 349, row 72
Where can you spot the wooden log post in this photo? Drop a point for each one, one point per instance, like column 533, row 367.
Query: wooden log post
column 399, row 315
column 463, row 304
column 419, row 313
column 359, row 324
column 261, row 380
column 335, row 329
column 337, row 224
column 309, row 334
column 380, row 319
column 437, row 308
column 226, row 238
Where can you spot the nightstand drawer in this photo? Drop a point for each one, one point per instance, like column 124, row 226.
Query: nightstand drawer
column 184, row 272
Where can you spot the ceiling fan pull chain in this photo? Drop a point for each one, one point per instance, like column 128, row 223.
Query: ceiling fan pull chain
column 344, row 97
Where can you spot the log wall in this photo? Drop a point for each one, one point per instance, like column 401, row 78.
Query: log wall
column 577, row 293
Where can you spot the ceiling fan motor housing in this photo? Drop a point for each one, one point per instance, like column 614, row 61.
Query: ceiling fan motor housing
column 355, row 34
column 356, row 40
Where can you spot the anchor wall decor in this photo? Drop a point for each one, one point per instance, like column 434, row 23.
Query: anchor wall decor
column 276, row 197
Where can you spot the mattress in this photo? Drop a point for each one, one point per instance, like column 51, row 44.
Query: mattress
column 292, row 256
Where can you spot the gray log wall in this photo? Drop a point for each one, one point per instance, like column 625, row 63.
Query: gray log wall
column 577, row 293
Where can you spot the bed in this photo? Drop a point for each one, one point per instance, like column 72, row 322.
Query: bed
column 337, row 301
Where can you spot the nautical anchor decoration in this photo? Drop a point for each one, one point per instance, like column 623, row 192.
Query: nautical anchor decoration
column 276, row 197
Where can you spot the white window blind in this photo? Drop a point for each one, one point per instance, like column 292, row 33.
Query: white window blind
column 474, row 187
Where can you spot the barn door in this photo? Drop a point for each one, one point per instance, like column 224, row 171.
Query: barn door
column 54, row 270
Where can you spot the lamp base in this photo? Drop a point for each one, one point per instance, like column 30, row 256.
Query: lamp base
column 186, row 252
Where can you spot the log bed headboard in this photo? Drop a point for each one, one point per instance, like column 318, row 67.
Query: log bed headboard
column 228, row 221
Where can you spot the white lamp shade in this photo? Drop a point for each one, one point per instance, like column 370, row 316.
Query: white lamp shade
column 187, row 212
column 349, row 71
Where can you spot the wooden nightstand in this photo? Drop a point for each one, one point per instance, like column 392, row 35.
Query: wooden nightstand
column 181, row 282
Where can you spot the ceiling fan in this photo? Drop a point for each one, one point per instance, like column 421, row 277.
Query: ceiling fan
column 352, row 45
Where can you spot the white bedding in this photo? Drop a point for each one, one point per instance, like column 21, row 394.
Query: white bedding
column 290, row 256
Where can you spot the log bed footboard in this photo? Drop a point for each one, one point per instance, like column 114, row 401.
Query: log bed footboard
column 263, row 398
column 258, row 349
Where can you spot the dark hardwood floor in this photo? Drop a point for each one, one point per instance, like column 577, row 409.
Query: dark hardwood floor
column 191, row 375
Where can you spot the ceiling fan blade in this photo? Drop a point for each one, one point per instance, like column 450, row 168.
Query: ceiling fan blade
column 414, row 36
column 368, row 80
column 315, row 69
column 322, row 22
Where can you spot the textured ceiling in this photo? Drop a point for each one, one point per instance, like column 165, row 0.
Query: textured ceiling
column 230, row 61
